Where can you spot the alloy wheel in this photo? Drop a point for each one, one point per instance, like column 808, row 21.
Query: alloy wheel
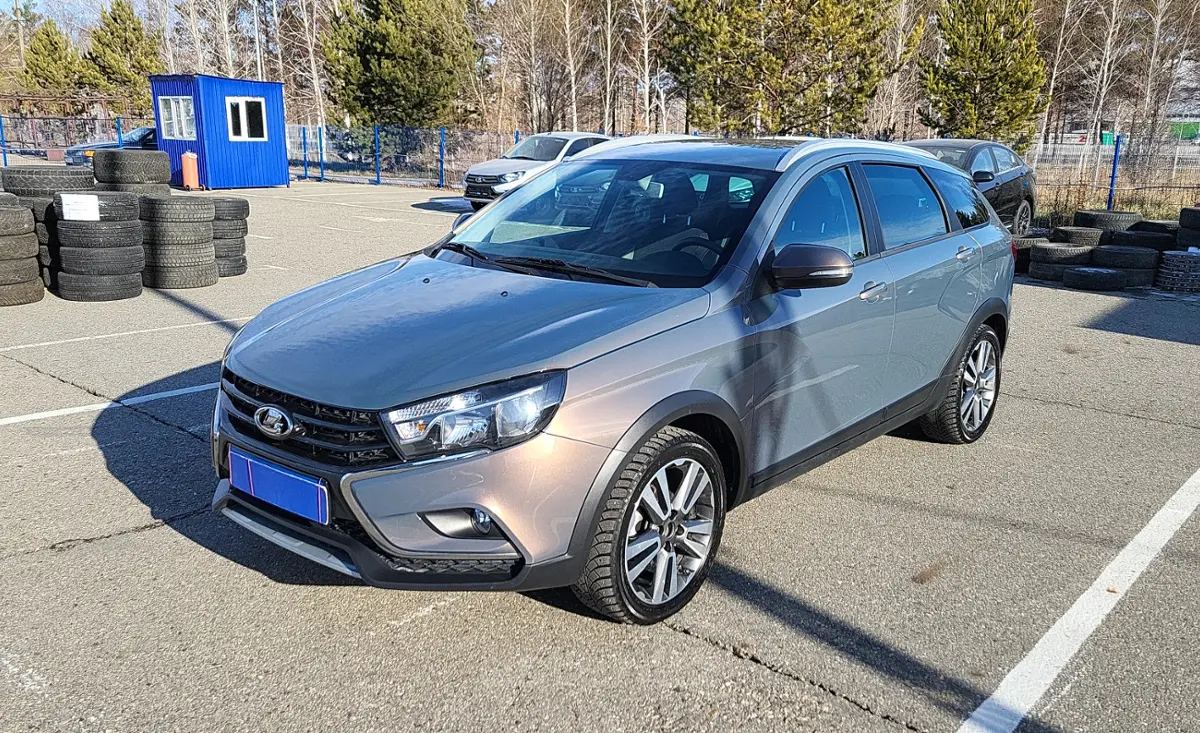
column 1023, row 220
column 671, row 531
column 978, row 386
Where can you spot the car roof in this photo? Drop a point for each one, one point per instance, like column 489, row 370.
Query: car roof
column 569, row 135
column 774, row 154
column 946, row 142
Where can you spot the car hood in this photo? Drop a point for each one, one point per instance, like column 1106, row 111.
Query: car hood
column 409, row 329
column 500, row 166
column 92, row 146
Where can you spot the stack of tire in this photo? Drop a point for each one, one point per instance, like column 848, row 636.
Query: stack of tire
column 35, row 186
column 141, row 172
column 99, row 254
column 229, row 235
column 177, row 233
column 1048, row 260
column 1179, row 272
column 45, row 227
column 20, row 278
column 1188, row 228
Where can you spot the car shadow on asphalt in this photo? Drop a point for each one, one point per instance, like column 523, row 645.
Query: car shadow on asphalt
column 1144, row 312
column 445, row 205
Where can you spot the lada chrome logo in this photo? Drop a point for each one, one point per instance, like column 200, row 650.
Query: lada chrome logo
column 274, row 422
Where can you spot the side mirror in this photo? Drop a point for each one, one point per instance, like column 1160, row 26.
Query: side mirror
column 458, row 220
column 983, row 176
column 810, row 266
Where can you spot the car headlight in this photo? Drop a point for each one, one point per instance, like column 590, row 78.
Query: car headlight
column 493, row 416
column 510, row 177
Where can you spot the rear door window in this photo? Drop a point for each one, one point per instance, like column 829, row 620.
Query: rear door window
column 909, row 210
column 1005, row 160
column 961, row 197
column 825, row 213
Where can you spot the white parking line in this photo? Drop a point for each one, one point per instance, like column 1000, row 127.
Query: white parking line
column 98, row 406
column 123, row 333
column 1032, row 677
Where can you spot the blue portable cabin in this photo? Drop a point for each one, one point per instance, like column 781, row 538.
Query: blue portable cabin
column 234, row 126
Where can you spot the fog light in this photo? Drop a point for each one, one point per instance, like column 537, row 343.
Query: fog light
column 481, row 521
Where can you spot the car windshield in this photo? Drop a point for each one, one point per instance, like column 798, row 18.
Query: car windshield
column 669, row 223
column 954, row 156
column 136, row 134
column 537, row 148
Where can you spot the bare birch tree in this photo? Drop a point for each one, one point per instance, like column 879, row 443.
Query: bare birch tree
column 649, row 19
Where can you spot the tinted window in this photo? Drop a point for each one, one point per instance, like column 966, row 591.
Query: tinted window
column 537, row 148
column 909, row 211
column 826, row 213
column 1005, row 160
column 961, row 197
column 577, row 146
column 983, row 162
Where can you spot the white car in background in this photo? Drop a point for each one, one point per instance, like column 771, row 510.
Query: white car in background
column 486, row 181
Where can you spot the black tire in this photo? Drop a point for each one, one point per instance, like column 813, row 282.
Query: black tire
column 39, row 205
column 169, row 278
column 231, row 266
column 113, row 205
column 180, row 255
column 1180, row 262
column 18, row 271
column 1187, row 238
column 1085, row 236
column 1137, row 277
column 229, row 228
column 1021, row 248
column 1156, row 226
column 229, row 208
column 102, row 261
column 22, row 293
column 46, row 180
column 603, row 586
column 99, row 233
column 177, row 209
column 131, row 166
column 1153, row 240
column 1189, row 216
column 1022, row 219
column 48, row 256
column 1045, row 271
column 1054, row 253
column 477, row 205
column 18, row 247
column 50, row 278
column 1112, row 221
column 945, row 422
column 15, row 220
column 46, row 234
column 176, row 232
column 141, row 189
column 9, row 199
column 1093, row 278
column 1117, row 256
column 226, row 248
column 92, row 288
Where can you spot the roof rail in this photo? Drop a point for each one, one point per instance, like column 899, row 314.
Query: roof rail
column 625, row 142
column 847, row 142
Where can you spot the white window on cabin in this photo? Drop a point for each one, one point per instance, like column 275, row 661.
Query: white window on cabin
column 247, row 118
column 178, row 118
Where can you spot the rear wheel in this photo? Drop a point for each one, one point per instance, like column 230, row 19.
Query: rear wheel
column 965, row 413
column 1023, row 219
column 659, row 530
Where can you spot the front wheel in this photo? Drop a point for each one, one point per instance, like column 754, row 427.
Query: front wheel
column 965, row 413
column 477, row 205
column 659, row 530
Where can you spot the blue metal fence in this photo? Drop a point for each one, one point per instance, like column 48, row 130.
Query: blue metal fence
column 34, row 136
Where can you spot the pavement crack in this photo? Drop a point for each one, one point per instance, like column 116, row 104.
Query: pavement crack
column 749, row 656
column 69, row 544
column 1116, row 413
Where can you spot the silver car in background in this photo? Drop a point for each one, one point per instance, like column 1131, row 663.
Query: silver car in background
column 486, row 181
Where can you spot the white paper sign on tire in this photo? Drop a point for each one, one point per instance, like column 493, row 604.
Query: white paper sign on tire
column 80, row 207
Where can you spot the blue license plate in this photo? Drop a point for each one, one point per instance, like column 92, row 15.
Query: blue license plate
column 294, row 492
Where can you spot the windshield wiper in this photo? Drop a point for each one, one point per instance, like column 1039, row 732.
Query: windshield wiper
column 570, row 268
column 475, row 254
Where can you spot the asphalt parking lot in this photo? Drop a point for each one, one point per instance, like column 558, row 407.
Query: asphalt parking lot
column 893, row 589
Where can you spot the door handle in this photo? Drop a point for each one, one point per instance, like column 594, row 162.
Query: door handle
column 964, row 254
column 872, row 291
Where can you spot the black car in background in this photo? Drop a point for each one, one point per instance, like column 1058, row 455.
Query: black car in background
column 139, row 138
column 1006, row 181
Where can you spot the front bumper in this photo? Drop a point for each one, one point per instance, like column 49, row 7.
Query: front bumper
column 484, row 192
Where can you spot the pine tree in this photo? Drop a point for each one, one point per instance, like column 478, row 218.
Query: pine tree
column 52, row 65
column 987, row 80
column 123, row 55
column 398, row 61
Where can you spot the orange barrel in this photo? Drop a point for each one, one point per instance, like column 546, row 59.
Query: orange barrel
column 191, row 171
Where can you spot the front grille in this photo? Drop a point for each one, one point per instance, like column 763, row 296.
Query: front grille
column 489, row 180
column 333, row 436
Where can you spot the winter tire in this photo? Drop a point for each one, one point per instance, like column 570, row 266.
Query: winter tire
column 230, row 208
column 1153, row 240
column 99, row 233
column 231, row 266
column 658, row 531
column 18, row 247
column 1156, row 226
column 1060, row 254
column 131, row 166
column 226, row 248
column 177, row 209
column 39, row 205
column 112, row 205
column 1187, row 238
column 15, row 220
column 46, row 180
column 1112, row 221
column 1117, row 256
column 1093, row 278
column 1021, row 249
column 175, row 232
column 22, row 293
column 967, row 410
column 1085, row 236
column 18, row 271
column 102, row 261
column 1045, row 271
column 141, row 189
column 1189, row 216
column 179, row 255
column 200, row 276
column 70, row 286
column 9, row 199
column 46, row 235
column 229, row 228
column 1137, row 277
